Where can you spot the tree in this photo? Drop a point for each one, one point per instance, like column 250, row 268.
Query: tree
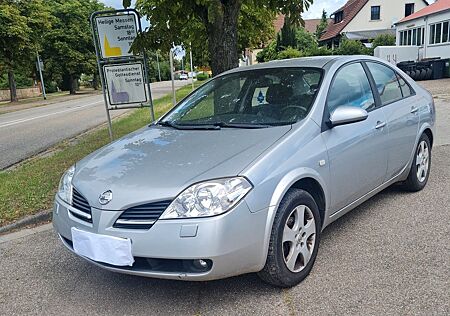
column 68, row 47
column 286, row 37
column 305, row 41
column 320, row 29
column 21, row 24
column 171, row 22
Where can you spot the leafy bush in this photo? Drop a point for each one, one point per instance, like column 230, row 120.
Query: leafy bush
column 383, row 40
column 268, row 53
column 202, row 76
column 351, row 47
column 305, row 40
column 289, row 53
column 51, row 86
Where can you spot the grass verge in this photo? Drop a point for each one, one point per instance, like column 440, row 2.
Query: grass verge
column 30, row 187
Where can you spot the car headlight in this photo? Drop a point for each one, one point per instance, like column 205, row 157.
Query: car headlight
column 208, row 198
column 65, row 185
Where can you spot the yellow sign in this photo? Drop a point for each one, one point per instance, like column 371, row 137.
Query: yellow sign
column 116, row 33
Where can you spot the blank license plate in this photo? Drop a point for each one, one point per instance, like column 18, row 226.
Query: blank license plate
column 102, row 248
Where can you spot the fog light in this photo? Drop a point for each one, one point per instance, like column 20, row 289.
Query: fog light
column 200, row 264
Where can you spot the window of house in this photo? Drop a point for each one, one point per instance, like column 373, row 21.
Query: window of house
column 412, row 37
column 419, row 36
column 438, row 33
column 409, row 9
column 375, row 12
column 445, row 32
column 432, row 33
column 338, row 16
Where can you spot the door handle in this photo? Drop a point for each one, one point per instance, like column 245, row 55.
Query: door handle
column 414, row 109
column 380, row 125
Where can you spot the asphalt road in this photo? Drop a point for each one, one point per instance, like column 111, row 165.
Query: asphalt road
column 390, row 256
column 27, row 132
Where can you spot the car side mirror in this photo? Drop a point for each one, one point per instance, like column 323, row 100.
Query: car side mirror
column 347, row 115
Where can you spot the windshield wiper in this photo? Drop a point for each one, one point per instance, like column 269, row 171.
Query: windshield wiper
column 188, row 127
column 240, row 125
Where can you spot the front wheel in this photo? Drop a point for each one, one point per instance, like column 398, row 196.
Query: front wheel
column 420, row 168
column 294, row 240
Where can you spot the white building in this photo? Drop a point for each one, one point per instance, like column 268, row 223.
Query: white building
column 365, row 19
column 429, row 29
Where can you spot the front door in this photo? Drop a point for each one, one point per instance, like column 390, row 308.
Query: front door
column 356, row 152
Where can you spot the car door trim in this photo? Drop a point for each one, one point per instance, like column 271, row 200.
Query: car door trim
column 366, row 196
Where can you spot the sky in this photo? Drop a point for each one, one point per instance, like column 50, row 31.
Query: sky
column 314, row 12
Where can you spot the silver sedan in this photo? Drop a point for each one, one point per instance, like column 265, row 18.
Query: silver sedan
column 245, row 173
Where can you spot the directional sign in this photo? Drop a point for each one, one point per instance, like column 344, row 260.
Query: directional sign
column 125, row 83
column 115, row 34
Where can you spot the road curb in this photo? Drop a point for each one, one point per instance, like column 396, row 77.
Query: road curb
column 38, row 218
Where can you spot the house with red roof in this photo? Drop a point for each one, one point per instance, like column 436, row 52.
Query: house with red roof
column 365, row 19
column 429, row 29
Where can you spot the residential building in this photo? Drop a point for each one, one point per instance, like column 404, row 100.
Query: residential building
column 365, row 19
column 427, row 28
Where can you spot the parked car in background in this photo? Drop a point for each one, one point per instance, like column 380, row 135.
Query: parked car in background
column 183, row 76
column 245, row 173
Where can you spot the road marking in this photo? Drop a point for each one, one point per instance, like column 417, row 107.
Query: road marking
column 19, row 121
column 25, row 232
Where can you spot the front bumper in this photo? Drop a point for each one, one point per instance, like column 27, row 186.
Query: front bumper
column 233, row 241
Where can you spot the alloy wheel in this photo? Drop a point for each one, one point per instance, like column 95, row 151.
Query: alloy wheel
column 299, row 237
column 422, row 161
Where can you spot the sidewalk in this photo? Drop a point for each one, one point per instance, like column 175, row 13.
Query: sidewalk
column 6, row 107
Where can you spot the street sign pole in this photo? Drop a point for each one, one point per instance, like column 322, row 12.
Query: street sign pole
column 123, row 73
column 192, row 69
column 40, row 76
column 174, row 99
column 102, row 81
column 159, row 70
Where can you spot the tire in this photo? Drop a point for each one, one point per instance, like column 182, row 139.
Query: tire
column 290, row 251
column 416, row 180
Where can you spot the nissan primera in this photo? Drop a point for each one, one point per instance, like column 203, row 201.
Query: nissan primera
column 245, row 173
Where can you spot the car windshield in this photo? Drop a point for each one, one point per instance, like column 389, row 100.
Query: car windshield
column 249, row 99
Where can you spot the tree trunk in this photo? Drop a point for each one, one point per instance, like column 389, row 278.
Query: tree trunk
column 222, row 36
column 73, row 84
column 12, row 86
column 95, row 81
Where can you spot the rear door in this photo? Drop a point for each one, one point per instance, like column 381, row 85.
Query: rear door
column 400, row 105
column 356, row 152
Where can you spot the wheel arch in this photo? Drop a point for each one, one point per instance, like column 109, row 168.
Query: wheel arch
column 313, row 187
column 301, row 178
column 427, row 131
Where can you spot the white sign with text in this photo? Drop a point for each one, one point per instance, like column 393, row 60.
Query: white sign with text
column 125, row 83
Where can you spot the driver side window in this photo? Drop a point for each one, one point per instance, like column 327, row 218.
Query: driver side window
column 351, row 87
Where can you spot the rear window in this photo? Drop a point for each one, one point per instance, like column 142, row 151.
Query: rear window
column 386, row 82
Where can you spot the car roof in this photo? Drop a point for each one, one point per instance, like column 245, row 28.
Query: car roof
column 311, row 62
column 314, row 62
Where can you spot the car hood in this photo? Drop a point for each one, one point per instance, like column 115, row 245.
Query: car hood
column 157, row 163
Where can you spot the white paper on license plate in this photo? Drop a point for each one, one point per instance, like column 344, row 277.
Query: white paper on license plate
column 103, row 248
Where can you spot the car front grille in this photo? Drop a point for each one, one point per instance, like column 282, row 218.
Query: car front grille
column 82, row 209
column 141, row 216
